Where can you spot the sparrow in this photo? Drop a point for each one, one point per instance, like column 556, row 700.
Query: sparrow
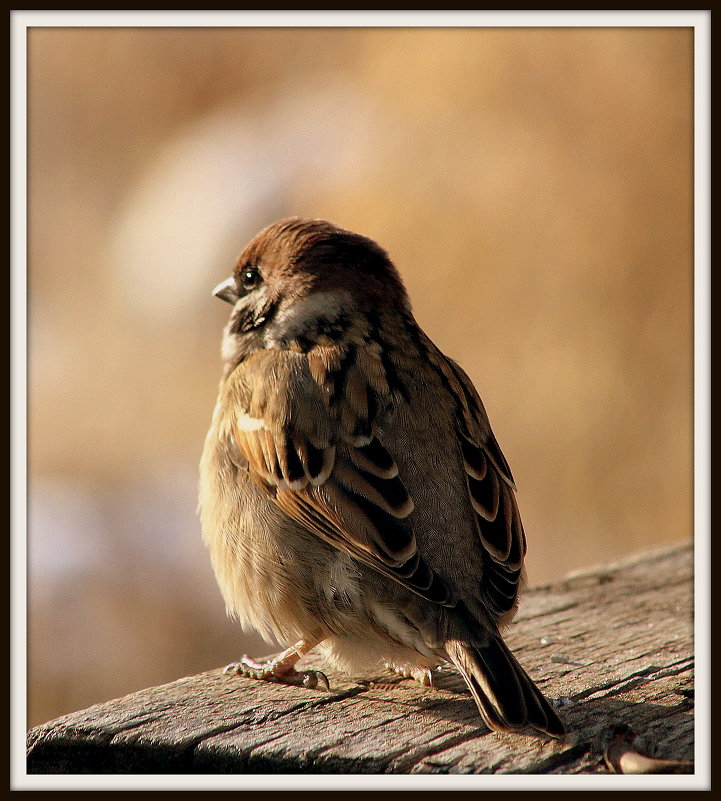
column 352, row 494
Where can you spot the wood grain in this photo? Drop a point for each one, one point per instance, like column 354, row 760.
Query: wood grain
column 612, row 646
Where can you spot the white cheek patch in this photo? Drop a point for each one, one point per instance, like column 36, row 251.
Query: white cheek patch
column 298, row 318
column 248, row 306
column 229, row 348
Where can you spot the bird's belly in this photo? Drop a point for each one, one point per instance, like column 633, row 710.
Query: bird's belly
column 297, row 587
column 262, row 575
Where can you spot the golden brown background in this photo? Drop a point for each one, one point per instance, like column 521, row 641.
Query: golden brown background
column 533, row 185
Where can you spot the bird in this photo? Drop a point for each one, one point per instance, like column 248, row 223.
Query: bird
column 352, row 495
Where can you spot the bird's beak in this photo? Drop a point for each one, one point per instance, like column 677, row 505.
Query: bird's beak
column 226, row 291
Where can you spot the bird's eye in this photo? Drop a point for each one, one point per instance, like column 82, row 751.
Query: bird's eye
column 250, row 278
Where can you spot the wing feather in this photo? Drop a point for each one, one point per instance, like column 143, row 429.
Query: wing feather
column 491, row 490
column 308, row 430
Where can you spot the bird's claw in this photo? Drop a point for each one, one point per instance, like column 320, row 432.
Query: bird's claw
column 277, row 672
column 422, row 675
column 311, row 678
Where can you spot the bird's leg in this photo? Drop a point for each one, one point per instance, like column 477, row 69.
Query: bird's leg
column 281, row 667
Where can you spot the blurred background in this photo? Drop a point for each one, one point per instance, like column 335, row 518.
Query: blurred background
column 534, row 187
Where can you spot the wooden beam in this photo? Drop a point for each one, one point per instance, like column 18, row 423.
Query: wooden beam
column 612, row 646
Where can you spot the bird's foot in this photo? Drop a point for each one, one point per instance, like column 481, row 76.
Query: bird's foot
column 277, row 672
column 422, row 675
column 280, row 668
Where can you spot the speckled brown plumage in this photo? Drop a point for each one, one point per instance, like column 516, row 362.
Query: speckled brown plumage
column 352, row 493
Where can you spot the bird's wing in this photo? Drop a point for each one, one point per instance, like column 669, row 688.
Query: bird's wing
column 307, row 431
column 491, row 489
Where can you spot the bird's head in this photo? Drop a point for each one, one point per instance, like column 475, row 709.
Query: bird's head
column 301, row 277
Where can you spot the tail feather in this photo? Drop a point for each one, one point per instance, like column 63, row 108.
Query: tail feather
column 506, row 696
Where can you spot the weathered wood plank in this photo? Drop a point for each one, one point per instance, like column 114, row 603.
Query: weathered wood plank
column 612, row 646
